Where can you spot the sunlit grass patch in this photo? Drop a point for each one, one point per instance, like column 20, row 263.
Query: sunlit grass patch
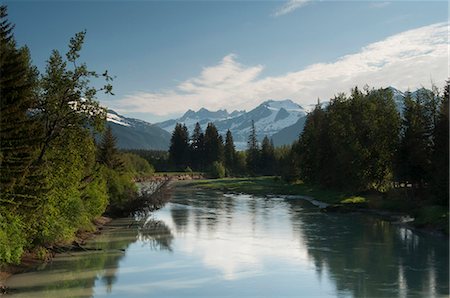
column 354, row 200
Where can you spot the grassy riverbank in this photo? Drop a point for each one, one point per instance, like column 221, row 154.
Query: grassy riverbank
column 426, row 215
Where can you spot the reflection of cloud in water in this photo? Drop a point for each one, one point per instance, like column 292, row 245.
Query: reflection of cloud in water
column 241, row 247
column 172, row 284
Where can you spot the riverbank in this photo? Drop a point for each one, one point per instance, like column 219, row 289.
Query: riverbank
column 392, row 205
column 151, row 197
column 33, row 259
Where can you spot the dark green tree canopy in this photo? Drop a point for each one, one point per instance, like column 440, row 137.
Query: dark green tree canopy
column 179, row 146
column 213, row 143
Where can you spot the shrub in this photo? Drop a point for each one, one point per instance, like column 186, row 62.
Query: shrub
column 136, row 165
column 12, row 237
column 217, row 170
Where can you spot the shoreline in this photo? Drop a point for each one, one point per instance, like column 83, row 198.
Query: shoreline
column 30, row 260
column 268, row 187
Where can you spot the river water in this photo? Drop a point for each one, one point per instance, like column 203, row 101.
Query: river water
column 211, row 244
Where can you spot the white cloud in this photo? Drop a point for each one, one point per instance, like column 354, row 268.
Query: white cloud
column 407, row 60
column 290, row 6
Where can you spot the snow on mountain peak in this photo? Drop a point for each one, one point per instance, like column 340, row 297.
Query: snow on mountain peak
column 112, row 116
column 286, row 104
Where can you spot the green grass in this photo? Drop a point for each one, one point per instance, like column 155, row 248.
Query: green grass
column 266, row 186
column 354, row 200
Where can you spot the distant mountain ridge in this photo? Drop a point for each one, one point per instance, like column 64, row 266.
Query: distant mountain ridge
column 281, row 120
column 137, row 134
column 270, row 117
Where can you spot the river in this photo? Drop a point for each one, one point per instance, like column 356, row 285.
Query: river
column 211, row 244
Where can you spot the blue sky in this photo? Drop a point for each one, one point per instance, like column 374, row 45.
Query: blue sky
column 169, row 56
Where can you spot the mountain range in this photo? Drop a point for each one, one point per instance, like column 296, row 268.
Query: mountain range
column 281, row 120
column 137, row 134
column 270, row 117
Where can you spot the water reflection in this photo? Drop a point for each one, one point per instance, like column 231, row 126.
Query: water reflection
column 76, row 274
column 209, row 244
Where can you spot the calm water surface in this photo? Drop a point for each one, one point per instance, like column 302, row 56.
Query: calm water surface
column 221, row 245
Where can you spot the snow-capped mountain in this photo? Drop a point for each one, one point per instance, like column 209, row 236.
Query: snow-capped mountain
column 137, row 134
column 202, row 116
column 270, row 117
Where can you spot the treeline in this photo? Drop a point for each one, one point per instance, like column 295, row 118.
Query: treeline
column 361, row 142
column 54, row 178
column 208, row 152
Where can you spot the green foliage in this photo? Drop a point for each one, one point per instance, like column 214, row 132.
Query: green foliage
column 415, row 148
column 121, row 188
column 252, row 151
column 156, row 158
column 440, row 157
column 179, row 146
column 213, row 144
column 95, row 196
column 351, row 144
column 197, row 148
column 217, row 170
column 12, row 237
column 50, row 183
column 267, row 157
column 107, row 151
column 230, row 158
column 354, row 200
column 135, row 165
column 19, row 132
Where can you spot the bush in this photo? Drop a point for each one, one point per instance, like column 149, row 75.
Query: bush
column 136, row 165
column 121, row 188
column 12, row 237
column 217, row 170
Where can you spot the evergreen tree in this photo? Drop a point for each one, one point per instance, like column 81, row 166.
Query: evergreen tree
column 415, row 147
column 197, row 147
column 440, row 158
column 179, row 146
column 229, row 153
column 252, row 157
column 309, row 148
column 213, row 143
column 267, row 157
column 108, row 154
column 19, row 131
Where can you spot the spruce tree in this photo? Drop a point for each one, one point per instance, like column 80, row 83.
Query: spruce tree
column 267, row 159
column 19, row 130
column 213, row 143
column 440, row 158
column 108, row 153
column 197, row 148
column 229, row 153
column 179, row 146
column 252, row 157
column 415, row 150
